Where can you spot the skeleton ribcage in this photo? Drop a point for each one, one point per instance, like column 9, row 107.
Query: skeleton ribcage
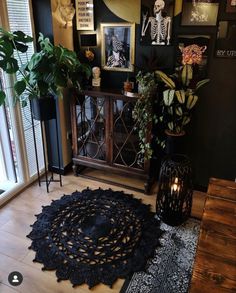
column 158, row 29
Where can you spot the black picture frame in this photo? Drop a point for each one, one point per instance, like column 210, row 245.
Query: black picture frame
column 225, row 46
column 200, row 13
column 149, row 36
column 201, row 41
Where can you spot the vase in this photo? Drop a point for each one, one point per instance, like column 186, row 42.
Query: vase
column 44, row 108
column 174, row 142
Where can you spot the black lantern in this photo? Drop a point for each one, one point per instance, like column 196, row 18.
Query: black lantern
column 174, row 198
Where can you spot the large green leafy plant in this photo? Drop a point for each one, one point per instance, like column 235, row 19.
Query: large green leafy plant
column 47, row 72
column 180, row 95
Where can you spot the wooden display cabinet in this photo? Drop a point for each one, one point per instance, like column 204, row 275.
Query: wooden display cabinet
column 104, row 135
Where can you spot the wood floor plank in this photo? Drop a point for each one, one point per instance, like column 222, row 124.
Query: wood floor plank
column 7, row 289
column 34, row 280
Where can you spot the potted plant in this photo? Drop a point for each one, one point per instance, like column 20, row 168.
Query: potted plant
column 45, row 75
column 180, row 94
column 143, row 112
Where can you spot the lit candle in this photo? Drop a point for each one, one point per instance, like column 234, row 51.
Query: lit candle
column 175, row 186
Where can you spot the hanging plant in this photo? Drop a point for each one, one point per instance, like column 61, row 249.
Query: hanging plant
column 143, row 114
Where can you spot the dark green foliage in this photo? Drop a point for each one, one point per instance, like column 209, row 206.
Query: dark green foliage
column 47, row 72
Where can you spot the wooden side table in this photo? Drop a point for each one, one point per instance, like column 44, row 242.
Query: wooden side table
column 215, row 263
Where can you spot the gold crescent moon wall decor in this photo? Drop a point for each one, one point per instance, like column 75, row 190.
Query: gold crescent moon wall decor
column 128, row 10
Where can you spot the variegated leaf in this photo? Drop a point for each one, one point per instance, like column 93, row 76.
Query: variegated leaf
column 201, row 83
column 170, row 125
column 180, row 96
column 192, row 100
column 187, row 74
column 170, row 110
column 168, row 81
column 168, row 96
column 186, row 120
column 179, row 111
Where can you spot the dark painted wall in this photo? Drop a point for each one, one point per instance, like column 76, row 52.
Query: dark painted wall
column 211, row 139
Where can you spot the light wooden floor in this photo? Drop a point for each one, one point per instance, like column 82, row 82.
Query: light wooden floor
column 18, row 214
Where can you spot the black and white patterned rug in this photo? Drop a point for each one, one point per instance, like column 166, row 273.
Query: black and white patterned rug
column 170, row 270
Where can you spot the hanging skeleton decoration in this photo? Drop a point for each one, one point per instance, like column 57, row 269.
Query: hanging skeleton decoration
column 160, row 25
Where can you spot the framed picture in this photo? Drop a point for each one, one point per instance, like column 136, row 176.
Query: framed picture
column 84, row 15
column 202, row 42
column 199, row 12
column 226, row 40
column 230, row 6
column 118, row 46
column 156, row 22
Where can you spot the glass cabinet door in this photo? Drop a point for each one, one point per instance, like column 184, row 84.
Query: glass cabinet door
column 91, row 123
column 125, row 135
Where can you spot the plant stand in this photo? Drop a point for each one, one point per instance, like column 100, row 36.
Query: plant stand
column 48, row 178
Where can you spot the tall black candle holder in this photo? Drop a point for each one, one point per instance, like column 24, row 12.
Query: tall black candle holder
column 174, row 197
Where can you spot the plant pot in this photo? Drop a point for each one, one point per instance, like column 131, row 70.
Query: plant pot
column 44, row 109
column 174, row 142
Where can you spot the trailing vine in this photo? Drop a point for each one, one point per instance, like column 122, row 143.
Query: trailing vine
column 143, row 114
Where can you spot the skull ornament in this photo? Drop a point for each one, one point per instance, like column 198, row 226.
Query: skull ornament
column 158, row 6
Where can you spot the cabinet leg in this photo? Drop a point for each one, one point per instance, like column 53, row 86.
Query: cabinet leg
column 77, row 169
column 148, row 185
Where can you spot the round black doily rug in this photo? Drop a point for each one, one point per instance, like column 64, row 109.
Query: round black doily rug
column 95, row 236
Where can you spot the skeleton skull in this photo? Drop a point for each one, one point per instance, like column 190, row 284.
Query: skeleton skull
column 158, row 6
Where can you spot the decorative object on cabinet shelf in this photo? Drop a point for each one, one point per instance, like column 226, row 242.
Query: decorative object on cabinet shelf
column 156, row 22
column 180, row 96
column 199, row 13
column 143, row 113
column 118, row 46
column 174, row 197
column 96, row 81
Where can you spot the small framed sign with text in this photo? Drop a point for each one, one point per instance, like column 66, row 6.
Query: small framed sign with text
column 84, row 15
column 226, row 40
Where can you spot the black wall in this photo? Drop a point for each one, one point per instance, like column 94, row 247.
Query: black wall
column 211, row 137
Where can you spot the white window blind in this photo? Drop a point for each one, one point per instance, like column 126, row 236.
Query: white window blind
column 20, row 19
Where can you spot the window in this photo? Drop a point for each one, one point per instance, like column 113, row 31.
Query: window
column 19, row 18
column 17, row 150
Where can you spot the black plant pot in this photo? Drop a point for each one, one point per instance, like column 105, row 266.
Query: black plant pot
column 44, row 109
column 174, row 143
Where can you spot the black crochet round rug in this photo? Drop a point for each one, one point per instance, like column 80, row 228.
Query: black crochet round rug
column 95, row 236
